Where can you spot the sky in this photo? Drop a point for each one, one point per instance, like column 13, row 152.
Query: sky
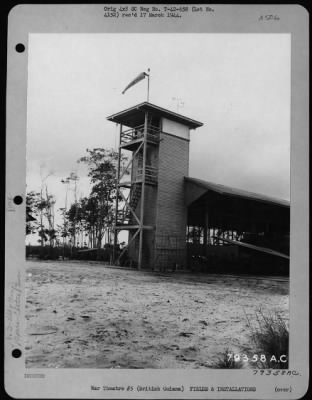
column 237, row 85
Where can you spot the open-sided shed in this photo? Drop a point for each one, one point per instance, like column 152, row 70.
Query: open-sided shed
column 221, row 220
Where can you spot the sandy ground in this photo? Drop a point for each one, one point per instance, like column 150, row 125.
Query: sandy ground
column 88, row 315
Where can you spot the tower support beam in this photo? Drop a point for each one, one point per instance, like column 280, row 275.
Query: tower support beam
column 130, row 161
column 130, row 208
column 143, row 192
column 116, row 201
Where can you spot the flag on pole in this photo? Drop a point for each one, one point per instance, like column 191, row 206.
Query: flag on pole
column 141, row 76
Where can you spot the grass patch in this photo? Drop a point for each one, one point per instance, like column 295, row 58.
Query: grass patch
column 271, row 338
column 227, row 362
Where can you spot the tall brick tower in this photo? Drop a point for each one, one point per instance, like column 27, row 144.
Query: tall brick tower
column 156, row 141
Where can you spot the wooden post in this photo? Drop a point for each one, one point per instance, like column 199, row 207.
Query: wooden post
column 117, row 191
column 143, row 192
column 206, row 230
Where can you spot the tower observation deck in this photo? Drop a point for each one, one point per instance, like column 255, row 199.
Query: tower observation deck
column 153, row 212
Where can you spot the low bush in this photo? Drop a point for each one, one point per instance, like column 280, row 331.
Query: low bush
column 227, row 361
column 271, row 338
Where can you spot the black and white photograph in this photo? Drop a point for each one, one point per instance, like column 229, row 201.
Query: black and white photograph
column 157, row 207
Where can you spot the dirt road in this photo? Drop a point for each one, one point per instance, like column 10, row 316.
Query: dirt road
column 87, row 315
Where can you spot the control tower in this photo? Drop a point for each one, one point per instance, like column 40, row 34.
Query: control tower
column 156, row 141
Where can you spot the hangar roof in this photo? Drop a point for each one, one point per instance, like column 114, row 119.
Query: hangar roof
column 134, row 116
column 195, row 188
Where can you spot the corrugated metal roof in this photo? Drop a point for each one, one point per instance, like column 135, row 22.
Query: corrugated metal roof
column 230, row 191
column 129, row 116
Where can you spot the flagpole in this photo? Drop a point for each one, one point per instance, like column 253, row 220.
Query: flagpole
column 148, row 83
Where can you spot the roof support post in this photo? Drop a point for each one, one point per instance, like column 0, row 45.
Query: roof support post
column 206, row 227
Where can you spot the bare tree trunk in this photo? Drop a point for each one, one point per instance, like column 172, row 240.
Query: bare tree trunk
column 41, row 225
column 93, row 237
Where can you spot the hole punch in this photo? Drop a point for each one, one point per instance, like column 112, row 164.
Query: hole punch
column 18, row 200
column 16, row 353
column 20, row 48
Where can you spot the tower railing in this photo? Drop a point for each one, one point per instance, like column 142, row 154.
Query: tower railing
column 151, row 175
column 137, row 132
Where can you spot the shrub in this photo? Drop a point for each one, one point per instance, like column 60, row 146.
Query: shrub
column 226, row 362
column 271, row 337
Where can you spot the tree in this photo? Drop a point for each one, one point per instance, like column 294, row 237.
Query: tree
column 32, row 211
column 46, row 210
column 99, row 208
column 72, row 178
